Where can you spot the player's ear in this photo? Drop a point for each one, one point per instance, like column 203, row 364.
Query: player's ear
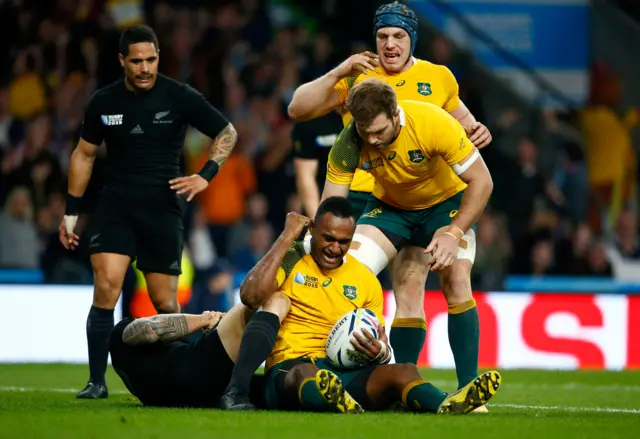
column 121, row 59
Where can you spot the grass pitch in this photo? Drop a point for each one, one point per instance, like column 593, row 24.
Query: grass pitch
column 38, row 401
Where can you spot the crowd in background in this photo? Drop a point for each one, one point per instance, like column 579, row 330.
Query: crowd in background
column 247, row 58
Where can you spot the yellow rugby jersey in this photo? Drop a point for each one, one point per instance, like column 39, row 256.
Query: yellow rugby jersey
column 424, row 82
column 414, row 172
column 318, row 300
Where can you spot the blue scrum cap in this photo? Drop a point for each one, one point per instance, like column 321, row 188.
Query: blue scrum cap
column 397, row 15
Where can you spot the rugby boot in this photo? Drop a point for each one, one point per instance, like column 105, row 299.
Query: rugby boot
column 472, row 396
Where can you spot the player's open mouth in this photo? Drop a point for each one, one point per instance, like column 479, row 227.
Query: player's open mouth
column 391, row 57
column 331, row 259
column 144, row 79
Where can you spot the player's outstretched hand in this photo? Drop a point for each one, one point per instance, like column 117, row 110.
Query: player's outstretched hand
column 191, row 185
column 444, row 250
column 65, row 232
column 295, row 224
column 479, row 135
column 356, row 64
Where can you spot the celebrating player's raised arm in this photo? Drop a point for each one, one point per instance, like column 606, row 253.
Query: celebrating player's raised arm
column 264, row 279
column 167, row 327
column 318, row 97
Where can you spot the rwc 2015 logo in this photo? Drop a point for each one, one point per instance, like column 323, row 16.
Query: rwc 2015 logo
column 111, row 119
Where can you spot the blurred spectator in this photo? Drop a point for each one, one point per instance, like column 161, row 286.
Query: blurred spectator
column 627, row 241
column 223, row 202
column 542, row 258
column 201, row 248
column 213, row 292
column 19, row 244
column 492, row 253
column 27, row 94
column 255, row 213
column 572, row 254
column 610, row 156
column 260, row 240
column 598, row 263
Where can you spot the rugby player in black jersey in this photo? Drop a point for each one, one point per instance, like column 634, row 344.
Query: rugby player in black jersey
column 142, row 119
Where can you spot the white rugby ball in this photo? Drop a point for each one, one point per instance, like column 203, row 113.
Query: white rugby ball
column 339, row 348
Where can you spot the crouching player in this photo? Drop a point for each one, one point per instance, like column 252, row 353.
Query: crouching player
column 322, row 286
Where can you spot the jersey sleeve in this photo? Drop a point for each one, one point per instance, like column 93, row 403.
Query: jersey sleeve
column 92, row 129
column 344, row 156
column 200, row 114
column 343, row 87
column 451, row 142
column 291, row 258
column 453, row 96
column 303, row 141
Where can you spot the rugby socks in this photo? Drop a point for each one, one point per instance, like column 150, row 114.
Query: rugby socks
column 257, row 343
column 99, row 326
column 464, row 339
column 407, row 338
column 311, row 399
column 422, row 396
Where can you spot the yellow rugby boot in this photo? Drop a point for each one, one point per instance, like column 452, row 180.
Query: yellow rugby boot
column 473, row 395
column 330, row 387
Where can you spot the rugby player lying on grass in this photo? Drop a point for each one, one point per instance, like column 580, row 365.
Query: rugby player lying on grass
column 161, row 368
column 298, row 374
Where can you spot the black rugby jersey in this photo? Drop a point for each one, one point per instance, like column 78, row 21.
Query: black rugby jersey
column 144, row 132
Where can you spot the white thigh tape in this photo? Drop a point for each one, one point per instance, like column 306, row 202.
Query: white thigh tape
column 369, row 253
column 468, row 253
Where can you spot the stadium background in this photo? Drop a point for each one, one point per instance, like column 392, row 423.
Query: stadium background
column 557, row 269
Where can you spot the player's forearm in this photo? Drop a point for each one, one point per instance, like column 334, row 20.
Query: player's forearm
column 474, row 200
column 80, row 169
column 260, row 283
column 310, row 100
column 223, row 145
column 163, row 328
column 309, row 193
column 334, row 190
column 463, row 116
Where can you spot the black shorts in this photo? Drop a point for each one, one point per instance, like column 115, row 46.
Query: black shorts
column 152, row 233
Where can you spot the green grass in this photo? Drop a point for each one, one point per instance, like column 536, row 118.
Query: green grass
column 38, row 401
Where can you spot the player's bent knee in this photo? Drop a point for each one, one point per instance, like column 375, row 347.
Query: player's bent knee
column 297, row 375
column 166, row 306
column 278, row 304
column 456, row 282
column 404, row 373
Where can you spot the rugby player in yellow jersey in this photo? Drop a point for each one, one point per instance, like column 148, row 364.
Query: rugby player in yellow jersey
column 318, row 287
column 431, row 185
column 396, row 32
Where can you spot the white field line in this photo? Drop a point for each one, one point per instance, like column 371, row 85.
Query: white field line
column 512, row 406
column 448, row 384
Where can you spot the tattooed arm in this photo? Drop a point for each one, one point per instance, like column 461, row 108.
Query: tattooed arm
column 167, row 327
column 223, row 144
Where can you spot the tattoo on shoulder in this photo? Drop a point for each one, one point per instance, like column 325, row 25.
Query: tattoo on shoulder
column 163, row 327
column 223, row 145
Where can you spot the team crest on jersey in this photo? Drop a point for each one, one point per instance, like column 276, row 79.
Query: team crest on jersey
column 307, row 281
column 424, row 88
column 326, row 283
column 416, row 156
column 391, row 156
column 111, row 119
column 374, row 213
column 350, row 292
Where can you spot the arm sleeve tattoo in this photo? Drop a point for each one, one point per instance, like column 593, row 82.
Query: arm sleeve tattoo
column 223, row 145
column 163, row 328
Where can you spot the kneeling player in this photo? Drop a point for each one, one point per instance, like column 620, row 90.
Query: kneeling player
column 322, row 286
column 162, row 369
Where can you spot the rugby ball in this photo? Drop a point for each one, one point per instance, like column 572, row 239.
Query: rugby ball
column 339, row 349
